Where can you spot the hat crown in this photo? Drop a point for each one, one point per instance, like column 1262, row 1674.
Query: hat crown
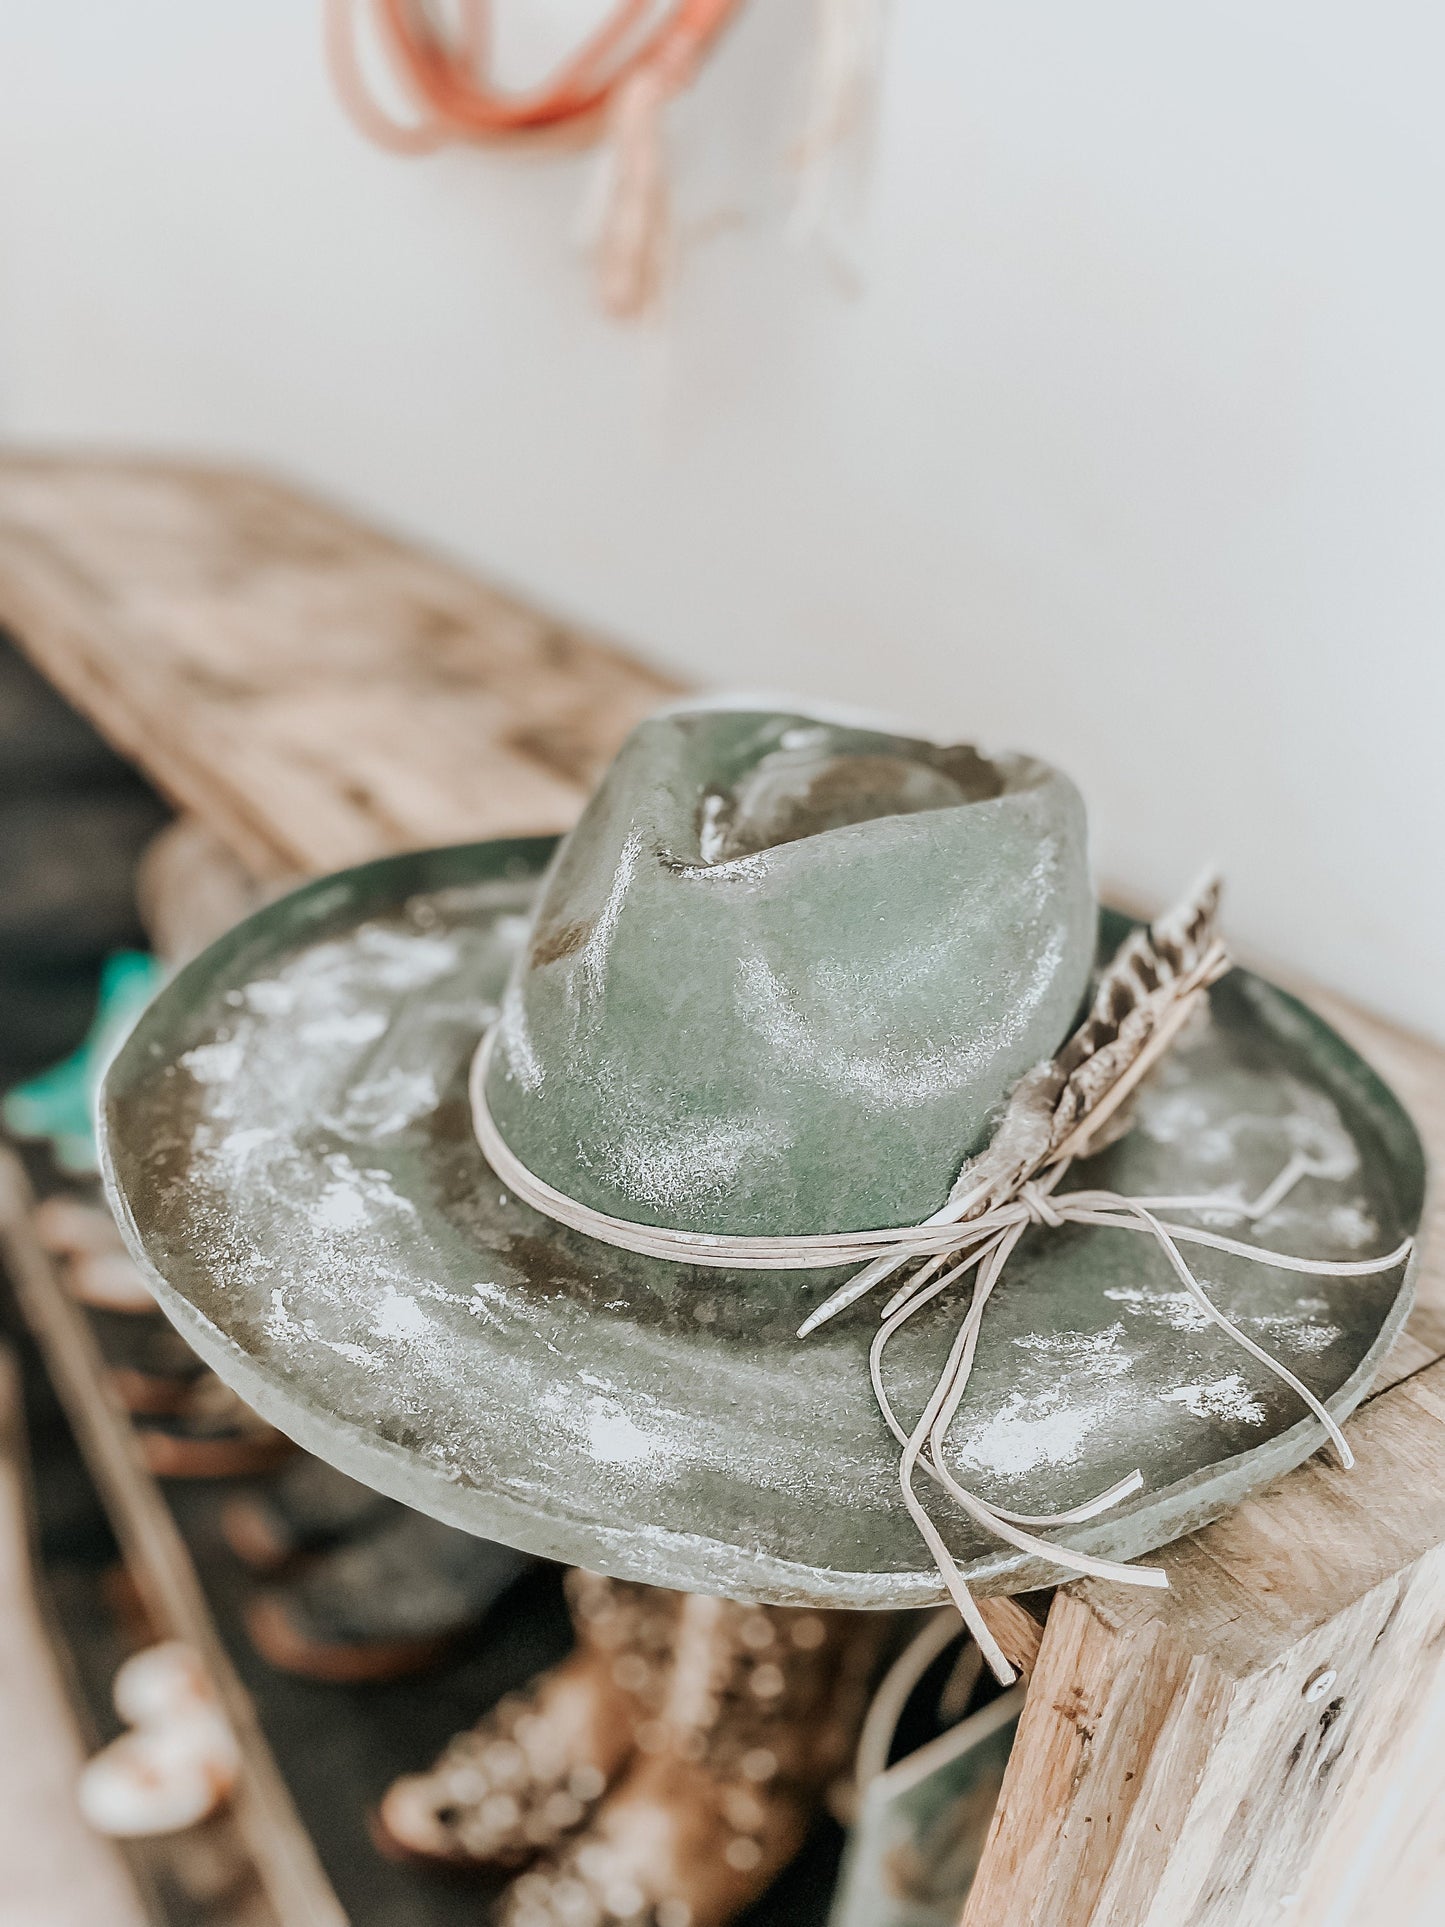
column 782, row 973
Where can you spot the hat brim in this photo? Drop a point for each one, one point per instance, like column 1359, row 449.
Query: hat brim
column 286, row 1142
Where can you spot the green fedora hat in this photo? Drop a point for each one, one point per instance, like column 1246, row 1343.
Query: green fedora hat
column 730, row 1045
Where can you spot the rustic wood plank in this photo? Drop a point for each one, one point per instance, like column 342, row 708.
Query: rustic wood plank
column 1187, row 1760
column 1383, row 1862
column 317, row 691
column 1018, row 1632
column 40, row 1826
column 279, row 1846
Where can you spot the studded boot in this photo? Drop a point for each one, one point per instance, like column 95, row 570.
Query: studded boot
column 533, row 1770
column 762, row 1713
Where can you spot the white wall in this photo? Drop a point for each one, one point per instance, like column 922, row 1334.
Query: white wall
column 1129, row 448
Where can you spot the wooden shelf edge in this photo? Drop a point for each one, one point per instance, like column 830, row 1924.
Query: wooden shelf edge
column 280, row 1848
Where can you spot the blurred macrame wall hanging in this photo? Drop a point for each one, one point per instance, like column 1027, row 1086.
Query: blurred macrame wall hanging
column 612, row 89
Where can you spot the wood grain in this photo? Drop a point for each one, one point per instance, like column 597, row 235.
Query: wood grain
column 317, row 691
column 1016, row 1629
column 1192, row 1763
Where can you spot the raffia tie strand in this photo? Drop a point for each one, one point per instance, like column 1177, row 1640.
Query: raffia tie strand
column 1061, row 1111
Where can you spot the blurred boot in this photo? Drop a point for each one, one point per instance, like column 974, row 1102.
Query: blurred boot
column 762, row 1713
column 308, row 1507
column 530, row 1773
column 384, row 1605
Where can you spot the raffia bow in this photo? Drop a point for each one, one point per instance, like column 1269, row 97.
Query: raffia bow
column 1066, row 1108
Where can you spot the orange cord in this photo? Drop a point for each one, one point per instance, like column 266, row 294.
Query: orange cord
column 621, row 77
column 457, row 101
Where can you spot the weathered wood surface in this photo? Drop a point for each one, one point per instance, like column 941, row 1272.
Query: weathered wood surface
column 317, row 691
column 40, row 1827
column 1170, row 1769
column 156, row 1558
column 1256, row 1736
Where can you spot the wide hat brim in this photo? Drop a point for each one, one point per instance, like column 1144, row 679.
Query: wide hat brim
column 287, row 1145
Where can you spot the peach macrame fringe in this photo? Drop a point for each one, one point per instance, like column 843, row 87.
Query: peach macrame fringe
column 621, row 79
column 634, row 217
column 847, row 62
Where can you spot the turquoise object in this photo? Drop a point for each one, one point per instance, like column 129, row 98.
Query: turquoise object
column 59, row 1103
column 783, row 974
column 288, row 1148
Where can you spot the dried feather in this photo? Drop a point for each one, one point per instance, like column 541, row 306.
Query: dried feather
column 1142, row 998
column 1148, row 990
column 1019, row 1144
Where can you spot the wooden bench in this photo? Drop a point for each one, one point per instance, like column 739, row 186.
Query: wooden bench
column 1265, row 1742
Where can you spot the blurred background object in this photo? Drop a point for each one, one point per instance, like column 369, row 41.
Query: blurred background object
column 74, row 820
column 613, row 84
column 177, row 1760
